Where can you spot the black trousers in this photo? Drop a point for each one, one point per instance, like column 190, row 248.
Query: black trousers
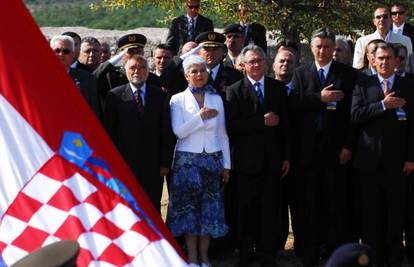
column 409, row 219
column 258, row 215
column 289, row 203
column 324, row 209
column 383, row 205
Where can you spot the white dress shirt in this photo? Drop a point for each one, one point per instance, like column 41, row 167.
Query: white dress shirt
column 261, row 81
column 214, row 71
column 195, row 135
column 325, row 68
column 398, row 30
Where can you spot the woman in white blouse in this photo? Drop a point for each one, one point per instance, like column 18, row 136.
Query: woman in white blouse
column 201, row 163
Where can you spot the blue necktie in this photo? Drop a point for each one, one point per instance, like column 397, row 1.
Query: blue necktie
column 322, row 77
column 259, row 93
column 192, row 29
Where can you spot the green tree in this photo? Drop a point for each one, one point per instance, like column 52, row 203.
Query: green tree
column 295, row 19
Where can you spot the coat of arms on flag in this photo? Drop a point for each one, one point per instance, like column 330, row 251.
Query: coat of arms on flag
column 60, row 176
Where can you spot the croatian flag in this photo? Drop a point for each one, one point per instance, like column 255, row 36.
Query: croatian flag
column 61, row 178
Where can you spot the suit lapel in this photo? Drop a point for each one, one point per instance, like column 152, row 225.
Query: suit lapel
column 250, row 93
column 216, row 82
column 315, row 76
column 190, row 99
column 377, row 92
column 127, row 94
column 332, row 75
column 148, row 98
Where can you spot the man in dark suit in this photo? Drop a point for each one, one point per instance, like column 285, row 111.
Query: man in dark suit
column 234, row 42
column 383, row 108
column 409, row 215
column 254, row 33
column 63, row 46
column 213, row 51
column 77, row 39
column 89, row 55
column 137, row 117
column 284, row 64
column 399, row 14
column 320, row 103
column 186, row 27
column 111, row 73
column 258, row 126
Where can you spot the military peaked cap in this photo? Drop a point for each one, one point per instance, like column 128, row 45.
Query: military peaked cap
column 210, row 39
column 131, row 40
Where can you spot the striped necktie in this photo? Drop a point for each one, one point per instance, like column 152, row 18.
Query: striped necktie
column 191, row 31
column 138, row 99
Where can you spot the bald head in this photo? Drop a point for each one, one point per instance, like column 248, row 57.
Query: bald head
column 284, row 65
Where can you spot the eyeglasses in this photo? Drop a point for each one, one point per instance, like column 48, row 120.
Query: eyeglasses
column 193, row 6
column 254, row 62
column 395, row 13
column 64, row 51
column 381, row 17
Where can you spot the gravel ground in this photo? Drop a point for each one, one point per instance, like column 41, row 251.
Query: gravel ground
column 285, row 258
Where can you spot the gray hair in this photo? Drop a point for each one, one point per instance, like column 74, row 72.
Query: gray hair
column 386, row 46
column 323, row 33
column 193, row 60
column 343, row 41
column 90, row 40
column 254, row 48
column 139, row 58
column 65, row 39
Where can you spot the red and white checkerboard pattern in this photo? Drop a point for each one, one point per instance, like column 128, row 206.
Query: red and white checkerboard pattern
column 65, row 205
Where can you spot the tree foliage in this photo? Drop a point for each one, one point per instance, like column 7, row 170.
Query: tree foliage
column 291, row 18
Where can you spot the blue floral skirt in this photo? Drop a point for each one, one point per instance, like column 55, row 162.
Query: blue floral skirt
column 196, row 198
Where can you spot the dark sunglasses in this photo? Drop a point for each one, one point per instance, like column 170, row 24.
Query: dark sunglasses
column 64, row 51
column 193, row 7
column 382, row 17
column 395, row 13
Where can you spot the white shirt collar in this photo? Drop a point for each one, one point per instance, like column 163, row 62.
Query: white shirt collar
column 325, row 68
column 134, row 89
column 389, row 79
column 261, row 81
column 395, row 28
column 214, row 71
column 377, row 35
column 74, row 64
column 156, row 72
column 189, row 18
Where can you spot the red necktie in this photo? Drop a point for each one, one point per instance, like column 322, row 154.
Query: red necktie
column 138, row 99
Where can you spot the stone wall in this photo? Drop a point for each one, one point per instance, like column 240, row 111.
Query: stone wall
column 154, row 36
